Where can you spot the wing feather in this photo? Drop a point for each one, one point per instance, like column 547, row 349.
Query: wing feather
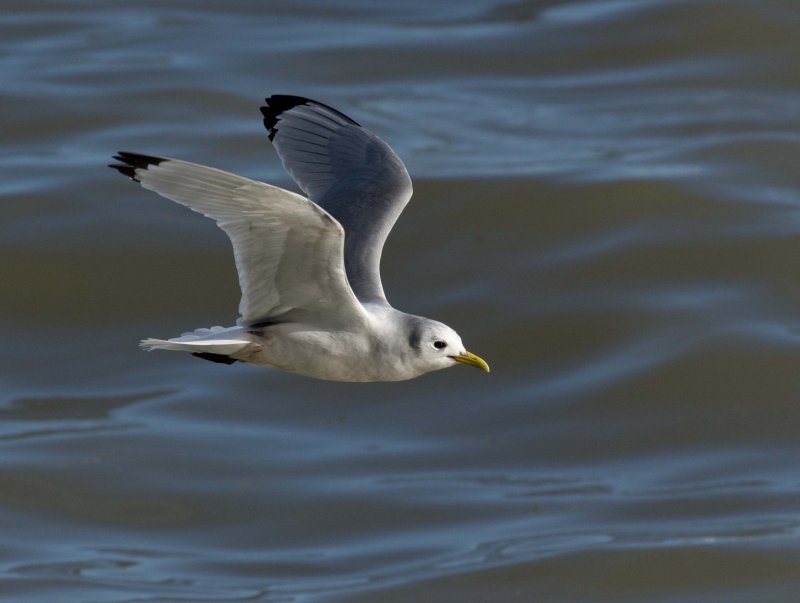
column 349, row 172
column 288, row 250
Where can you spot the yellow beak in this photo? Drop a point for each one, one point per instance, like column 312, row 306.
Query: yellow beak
column 472, row 360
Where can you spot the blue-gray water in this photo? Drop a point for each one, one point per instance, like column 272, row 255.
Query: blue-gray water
column 606, row 208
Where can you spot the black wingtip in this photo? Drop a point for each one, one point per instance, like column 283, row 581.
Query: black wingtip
column 280, row 103
column 277, row 104
column 210, row 356
column 125, row 170
column 130, row 162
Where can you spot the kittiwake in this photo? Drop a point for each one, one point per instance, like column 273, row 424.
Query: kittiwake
column 309, row 267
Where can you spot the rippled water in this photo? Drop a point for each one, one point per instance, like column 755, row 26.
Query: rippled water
column 606, row 209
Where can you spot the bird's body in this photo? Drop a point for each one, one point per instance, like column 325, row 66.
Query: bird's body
column 312, row 301
column 375, row 350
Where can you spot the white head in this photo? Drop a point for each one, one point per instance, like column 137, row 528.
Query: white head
column 436, row 346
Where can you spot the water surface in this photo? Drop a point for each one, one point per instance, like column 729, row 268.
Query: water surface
column 605, row 208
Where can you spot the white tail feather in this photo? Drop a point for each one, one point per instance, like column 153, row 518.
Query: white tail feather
column 216, row 340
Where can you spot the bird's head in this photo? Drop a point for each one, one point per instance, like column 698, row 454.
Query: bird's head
column 436, row 346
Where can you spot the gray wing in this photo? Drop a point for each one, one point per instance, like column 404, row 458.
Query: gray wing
column 349, row 172
column 288, row 251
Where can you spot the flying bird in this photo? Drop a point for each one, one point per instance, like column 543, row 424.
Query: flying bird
column 309, row 267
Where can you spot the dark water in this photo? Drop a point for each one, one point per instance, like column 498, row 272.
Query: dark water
column 605, row 207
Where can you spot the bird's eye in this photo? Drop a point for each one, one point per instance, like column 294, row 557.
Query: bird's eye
column 439, row 345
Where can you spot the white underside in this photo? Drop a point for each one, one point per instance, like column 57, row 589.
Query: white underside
column 378, row 352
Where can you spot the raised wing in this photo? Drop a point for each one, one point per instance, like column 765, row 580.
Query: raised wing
column 289, row 251
column 349, row 172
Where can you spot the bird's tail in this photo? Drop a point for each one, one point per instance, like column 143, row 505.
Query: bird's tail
column 218, row 341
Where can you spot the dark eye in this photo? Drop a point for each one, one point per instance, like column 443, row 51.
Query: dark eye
column 439, row 345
